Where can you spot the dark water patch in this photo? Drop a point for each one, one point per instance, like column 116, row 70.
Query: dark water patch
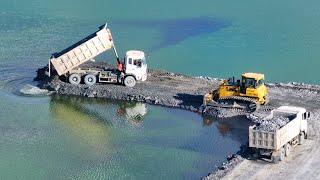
column 175, row 31
column 216, row 130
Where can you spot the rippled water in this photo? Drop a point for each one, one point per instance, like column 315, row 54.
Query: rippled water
column 67, row 137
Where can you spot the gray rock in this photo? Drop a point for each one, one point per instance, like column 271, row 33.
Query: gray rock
column 271, row 125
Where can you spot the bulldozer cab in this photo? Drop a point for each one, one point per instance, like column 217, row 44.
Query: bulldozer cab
column 251, row 80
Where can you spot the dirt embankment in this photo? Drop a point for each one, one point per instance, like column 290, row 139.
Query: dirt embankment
column 186, row 92
column 161, row 88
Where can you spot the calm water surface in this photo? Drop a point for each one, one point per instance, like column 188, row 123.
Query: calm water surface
column 68, row 137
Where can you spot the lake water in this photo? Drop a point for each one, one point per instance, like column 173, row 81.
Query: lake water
column 68, row 137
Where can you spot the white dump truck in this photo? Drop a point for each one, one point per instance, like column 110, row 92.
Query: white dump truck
column 66, row 63
column 276, row 142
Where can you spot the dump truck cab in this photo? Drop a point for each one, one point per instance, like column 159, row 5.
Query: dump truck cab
column 136, row 65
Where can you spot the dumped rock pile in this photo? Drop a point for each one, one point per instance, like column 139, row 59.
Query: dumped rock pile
column 222, row 112
column 271, row 125
column 221, row 171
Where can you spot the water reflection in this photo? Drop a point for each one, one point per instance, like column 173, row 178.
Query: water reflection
column 90, row 122
column 101, row 110
column 117, row 138
column 93, row 119
column 133, row 112
column 235, row 127
column 223, row 129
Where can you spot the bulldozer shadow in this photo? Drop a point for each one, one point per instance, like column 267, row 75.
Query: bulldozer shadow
column 189, row 99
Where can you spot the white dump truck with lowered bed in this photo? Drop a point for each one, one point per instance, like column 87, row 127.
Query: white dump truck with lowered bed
column 67, row 62
column 274, row 136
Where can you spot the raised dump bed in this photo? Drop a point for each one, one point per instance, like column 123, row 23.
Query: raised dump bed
column 82, row 51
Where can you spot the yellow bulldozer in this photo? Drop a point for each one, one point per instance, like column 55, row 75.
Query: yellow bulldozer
column 247, row 94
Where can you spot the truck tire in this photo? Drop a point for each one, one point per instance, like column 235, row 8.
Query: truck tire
column 74, row 79
column 90, row 79
column 287, row 148
column 282, row 153
column 129, row 81
column 275, row 159
column 301, row 138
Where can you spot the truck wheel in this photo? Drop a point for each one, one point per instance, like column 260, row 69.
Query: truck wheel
column 301, row 138
column 275, row 159
column 129, row 81
column 282, row 154
column 287, row 148
column 90, row 79
column 74, row 79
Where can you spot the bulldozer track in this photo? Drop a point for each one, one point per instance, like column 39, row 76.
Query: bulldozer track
column 253, row 104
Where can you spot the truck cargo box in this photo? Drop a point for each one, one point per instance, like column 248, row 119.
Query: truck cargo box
column 275, row 140
column 82, row 51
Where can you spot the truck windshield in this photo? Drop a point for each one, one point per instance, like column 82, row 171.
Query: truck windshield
column 140, row 62
column 137, row 62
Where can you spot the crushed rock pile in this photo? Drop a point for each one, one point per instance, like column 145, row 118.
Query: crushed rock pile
column 271, row 125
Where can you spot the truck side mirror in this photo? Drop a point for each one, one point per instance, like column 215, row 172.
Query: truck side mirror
column 308, row 115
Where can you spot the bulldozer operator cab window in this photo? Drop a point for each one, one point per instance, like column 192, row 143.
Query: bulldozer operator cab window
column 249, row 82
column 259, row 82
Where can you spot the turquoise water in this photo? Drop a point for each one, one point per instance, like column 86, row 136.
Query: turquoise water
column 44, row 137
column 78, row 138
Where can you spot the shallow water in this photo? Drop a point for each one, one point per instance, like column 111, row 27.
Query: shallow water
column 72, row 137
column 68, row 137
